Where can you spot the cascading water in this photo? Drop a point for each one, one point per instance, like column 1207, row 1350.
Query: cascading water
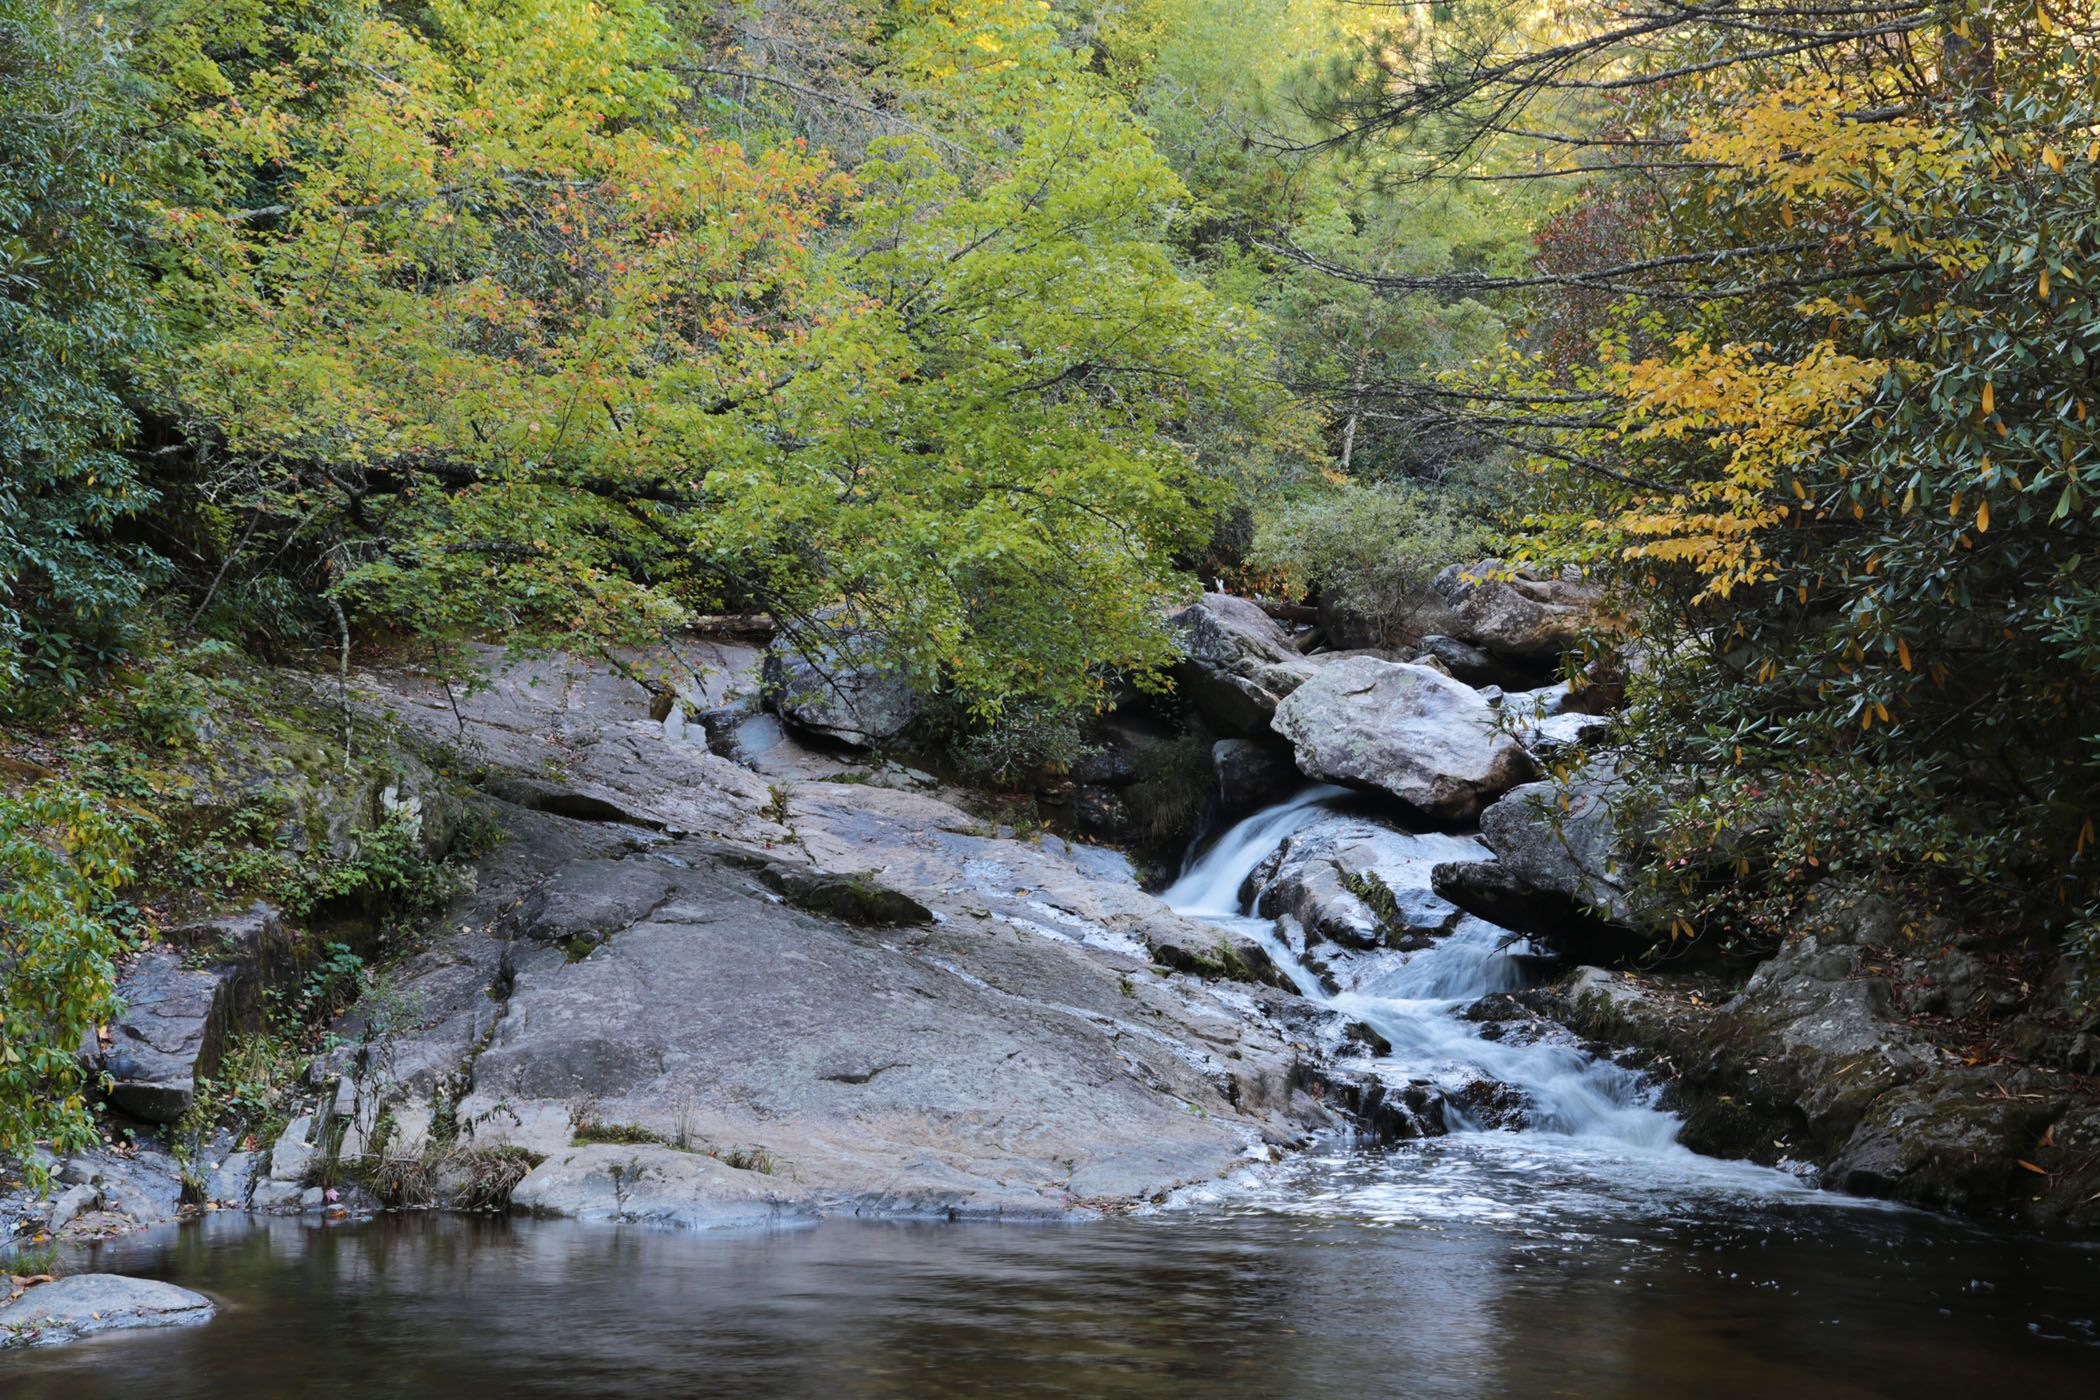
column 1583, row 1118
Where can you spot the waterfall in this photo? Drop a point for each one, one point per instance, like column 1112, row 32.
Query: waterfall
column 1416, row 1000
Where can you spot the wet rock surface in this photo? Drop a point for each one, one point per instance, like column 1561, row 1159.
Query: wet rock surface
column 684, row 993
column 1813, row 1060
column 86, row 1305
column 1358, row 883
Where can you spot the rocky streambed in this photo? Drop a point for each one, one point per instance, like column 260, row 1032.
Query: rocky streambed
column 726, row 968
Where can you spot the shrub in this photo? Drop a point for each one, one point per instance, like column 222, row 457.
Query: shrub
column 61, row 856
column 1372, row 547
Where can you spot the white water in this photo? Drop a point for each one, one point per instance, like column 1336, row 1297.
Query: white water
column 1590, row 1127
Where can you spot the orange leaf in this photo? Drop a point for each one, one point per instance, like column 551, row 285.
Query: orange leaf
column 2038, row 1171
column 1990, row 398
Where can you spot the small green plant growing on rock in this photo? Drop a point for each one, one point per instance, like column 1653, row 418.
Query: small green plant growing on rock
column 627, row 1134
column 745, row 1159
column 489, row 1176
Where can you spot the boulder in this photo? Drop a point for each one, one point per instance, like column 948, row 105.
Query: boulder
column 170, row 1034
column 1563, row 841
column 82, row 1305
column 1239, row 662
column 1358, row 884
column 1404, row 730
column 231, row 1179
column 837, row 681
column 1474, row 666
column 179, row 1007
column 658, row 1185
column 1513, row 611
column 1560, row 869
column 1250, row 775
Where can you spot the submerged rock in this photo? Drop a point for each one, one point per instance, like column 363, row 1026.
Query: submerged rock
column 83, row 1305
column 1405, row 730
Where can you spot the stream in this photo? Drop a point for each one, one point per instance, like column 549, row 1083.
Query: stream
column 1590, row 1128
column 1575, row 1250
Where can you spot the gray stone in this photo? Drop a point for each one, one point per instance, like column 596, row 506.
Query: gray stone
column 648, row 1184
column 1564, row 841
column 1404, row 730
column 1513, row 611
column 140, row 1186
column 589, row 900
column 1476, row 667
column 984, row 1028
column 229, row 1182
column 1239, row 662
column 292, row 1157
column 1359, row 884
column 82, row 1305
column 275, row 1196
column 838, row 681
column 1251, row 775
column 170, row 1033
column 69, row 1203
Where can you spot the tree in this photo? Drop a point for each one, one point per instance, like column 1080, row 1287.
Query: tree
column 72, row 326
column 1831, row 433
column 489, row 327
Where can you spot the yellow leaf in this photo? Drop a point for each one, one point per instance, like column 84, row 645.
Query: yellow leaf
column 1903, row 652
column 2053, row 158
column 2043, row 285
column 1990, row 398
column 1983, row 517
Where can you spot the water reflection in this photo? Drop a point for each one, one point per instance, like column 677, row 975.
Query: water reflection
column 1794, row 1301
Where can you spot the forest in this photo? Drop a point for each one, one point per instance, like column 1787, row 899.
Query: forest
column 1638, row 461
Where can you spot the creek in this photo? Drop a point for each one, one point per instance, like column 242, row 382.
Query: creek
column 1570, row 1248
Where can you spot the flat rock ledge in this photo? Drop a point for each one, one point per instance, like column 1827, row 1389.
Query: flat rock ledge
column 681, row 993
column 86, row 1305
